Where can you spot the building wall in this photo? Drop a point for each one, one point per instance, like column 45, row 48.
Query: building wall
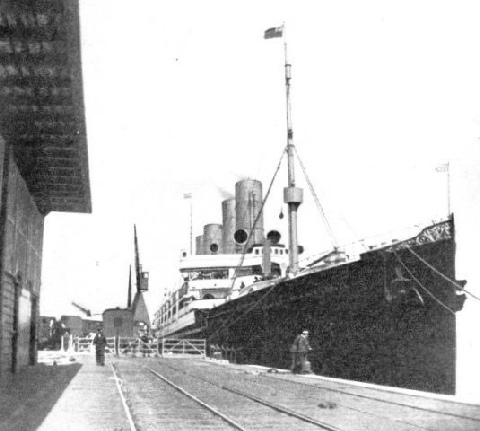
column 21, row 246
column 74, row 324
column 118, row 322
column 91, row 326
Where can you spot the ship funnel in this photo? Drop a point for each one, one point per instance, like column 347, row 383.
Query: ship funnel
column 198, row 244
column 274, row 237
column 248, row 196
column 212, row 239
column 229, row 223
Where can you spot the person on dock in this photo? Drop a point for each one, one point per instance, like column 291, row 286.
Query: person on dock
column 145, row 344
column 66, row 341
column 100, row 343
column 299, row 350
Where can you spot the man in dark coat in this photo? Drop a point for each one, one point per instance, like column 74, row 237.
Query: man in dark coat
column 299, row 350
column 100, row 342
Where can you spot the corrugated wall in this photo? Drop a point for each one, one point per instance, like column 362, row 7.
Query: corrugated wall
column 21, row 272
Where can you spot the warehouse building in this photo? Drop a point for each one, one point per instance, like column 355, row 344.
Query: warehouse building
column 43, row 155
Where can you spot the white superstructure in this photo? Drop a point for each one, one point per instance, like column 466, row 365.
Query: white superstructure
column 210, row 280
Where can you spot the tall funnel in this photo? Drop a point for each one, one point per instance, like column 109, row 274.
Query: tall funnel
column 212, row 239
column 229, row 226
column 248, row 195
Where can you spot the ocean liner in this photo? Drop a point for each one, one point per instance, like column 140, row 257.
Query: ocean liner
column 382, row 313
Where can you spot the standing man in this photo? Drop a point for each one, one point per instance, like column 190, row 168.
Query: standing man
column 100, row 342
column 299, row 351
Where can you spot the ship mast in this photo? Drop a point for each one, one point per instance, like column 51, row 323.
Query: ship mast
column 138, row 267
column 292, row 195
column 129, row 299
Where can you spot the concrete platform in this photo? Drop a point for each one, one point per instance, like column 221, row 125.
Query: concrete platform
column 71, row 395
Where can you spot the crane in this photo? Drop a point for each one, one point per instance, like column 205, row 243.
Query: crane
column 82, row 308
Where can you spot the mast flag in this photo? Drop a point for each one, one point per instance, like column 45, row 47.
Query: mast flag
column 442, row 168
column 273, row 32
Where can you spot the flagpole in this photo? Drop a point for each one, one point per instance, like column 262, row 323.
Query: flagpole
column 448, row 188
column 191, row 226
column 189, row 196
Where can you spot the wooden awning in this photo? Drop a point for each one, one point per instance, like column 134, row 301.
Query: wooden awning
column 42, row 114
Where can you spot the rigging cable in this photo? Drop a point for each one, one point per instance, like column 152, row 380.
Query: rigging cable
column 258, row 216
column 422, row 286
column 317, row 202
column 442, row 275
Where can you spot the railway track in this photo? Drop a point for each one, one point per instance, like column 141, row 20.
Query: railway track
column 175, row 395
column 183, row 395
column 390, row 401
column 181, row 402
column 341, row 408
column 232, row 422
column 349, row 417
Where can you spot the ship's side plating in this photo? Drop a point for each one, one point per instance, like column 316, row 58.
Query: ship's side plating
column 371, row 320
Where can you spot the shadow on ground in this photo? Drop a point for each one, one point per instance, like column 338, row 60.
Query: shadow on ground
column 28, row 396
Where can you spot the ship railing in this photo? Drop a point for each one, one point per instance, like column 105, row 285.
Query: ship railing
column 354, row 250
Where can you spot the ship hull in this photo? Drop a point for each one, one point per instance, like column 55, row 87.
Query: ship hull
column 365, row 323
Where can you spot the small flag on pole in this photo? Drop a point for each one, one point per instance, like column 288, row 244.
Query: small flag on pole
column 442, row 168
column 273, row 32
column 187, row 196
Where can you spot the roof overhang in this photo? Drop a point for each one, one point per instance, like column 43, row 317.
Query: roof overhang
column 41, row 95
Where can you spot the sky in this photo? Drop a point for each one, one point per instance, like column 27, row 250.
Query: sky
column 187, row 97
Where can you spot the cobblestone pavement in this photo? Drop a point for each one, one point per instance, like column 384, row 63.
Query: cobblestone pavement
column 75, row 395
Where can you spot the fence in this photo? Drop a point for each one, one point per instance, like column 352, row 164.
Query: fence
column 184, row 347
column 83, row 344
column 167, row 347
column 136, row 346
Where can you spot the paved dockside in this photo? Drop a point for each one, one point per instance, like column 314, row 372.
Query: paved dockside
column 75, row 394
column 71, row 395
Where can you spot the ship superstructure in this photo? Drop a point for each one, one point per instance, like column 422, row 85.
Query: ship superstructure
column 232, row 259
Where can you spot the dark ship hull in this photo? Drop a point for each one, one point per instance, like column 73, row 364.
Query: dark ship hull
column 368, row 320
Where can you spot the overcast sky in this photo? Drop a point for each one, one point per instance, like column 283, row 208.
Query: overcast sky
column 187, row 96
